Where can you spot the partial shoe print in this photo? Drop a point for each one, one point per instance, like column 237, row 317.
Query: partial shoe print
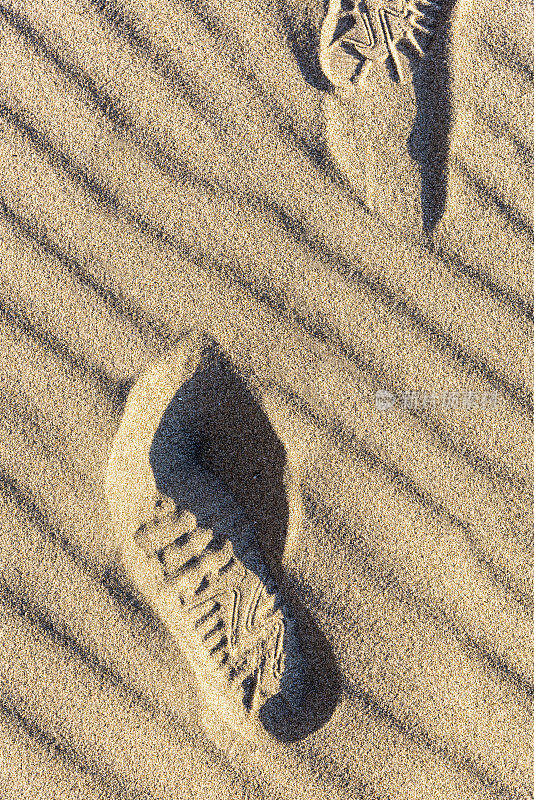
column 193, row 557
column 357, row 37
column 232, row 620
column 388, row 122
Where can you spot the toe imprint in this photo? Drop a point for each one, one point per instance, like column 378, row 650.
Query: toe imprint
column 357, row 37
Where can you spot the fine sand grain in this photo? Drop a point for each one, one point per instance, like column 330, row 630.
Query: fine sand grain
column 184, row 164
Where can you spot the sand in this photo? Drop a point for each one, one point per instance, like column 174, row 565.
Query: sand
column 169, row 166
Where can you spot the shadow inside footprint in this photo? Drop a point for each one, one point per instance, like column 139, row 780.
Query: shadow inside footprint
column 429, row 141
column 301, row 25
column 215, row 441
column 213, row 420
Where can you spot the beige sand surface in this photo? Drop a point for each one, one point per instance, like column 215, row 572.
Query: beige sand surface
column 168, row 165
